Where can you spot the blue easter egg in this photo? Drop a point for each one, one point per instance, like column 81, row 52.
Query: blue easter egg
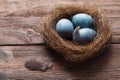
column 84, row 35
column 82, row 20
column 64, row 28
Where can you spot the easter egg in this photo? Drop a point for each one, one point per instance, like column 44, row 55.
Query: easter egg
column 64, row 28
column 84, row 35
column 82, row 20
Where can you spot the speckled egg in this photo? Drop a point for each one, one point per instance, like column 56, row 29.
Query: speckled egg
column 84, row 35
column 64, row 28
column 83, row 20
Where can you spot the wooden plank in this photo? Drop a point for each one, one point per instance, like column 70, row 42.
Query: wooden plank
column 12, row 59
column 21, row 20
column 19, row 30
column 40, row 7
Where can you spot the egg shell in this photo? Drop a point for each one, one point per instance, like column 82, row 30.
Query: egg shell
column 83, row 20
column 64, row 28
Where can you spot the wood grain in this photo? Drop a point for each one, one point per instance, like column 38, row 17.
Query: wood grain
column 21, row 20
column 104, row 67
column 20, row 30
column 21, row 26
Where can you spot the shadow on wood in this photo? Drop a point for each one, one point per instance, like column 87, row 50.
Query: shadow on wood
column 92, row 65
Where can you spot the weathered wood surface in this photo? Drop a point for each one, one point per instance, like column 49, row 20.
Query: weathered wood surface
column 21, row 24
column 20, row 20
column 104, row 67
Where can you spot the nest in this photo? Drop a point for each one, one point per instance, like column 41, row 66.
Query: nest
column 69, row 50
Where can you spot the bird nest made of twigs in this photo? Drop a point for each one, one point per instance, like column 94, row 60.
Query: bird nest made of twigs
column 69, row 50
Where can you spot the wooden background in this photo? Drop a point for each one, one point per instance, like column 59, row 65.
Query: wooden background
column 20, row 40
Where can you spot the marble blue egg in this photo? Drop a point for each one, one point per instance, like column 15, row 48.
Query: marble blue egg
column 84, row 35
column 83, row 20
column 64, row 28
